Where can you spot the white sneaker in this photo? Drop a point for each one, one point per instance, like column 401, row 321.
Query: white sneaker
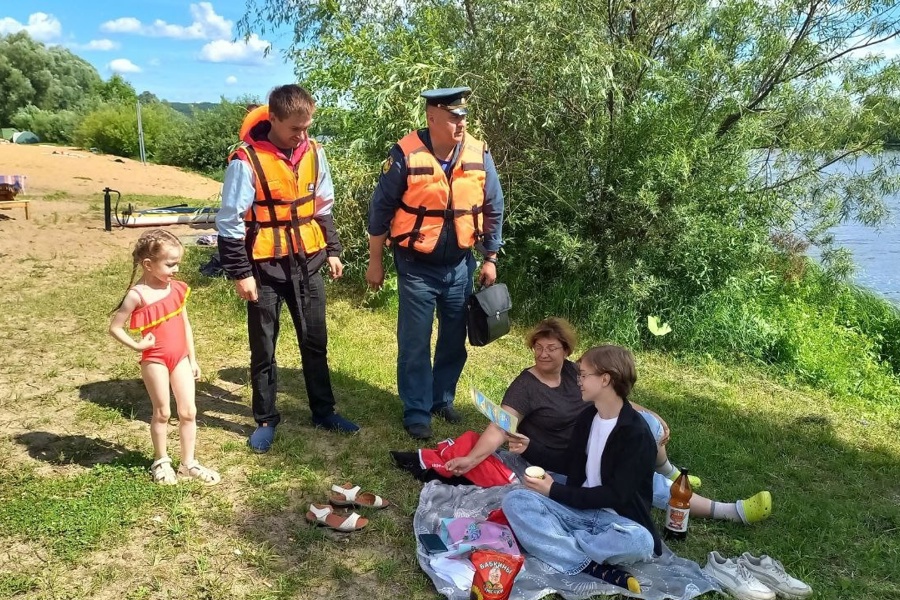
column 770, row 572
column 736, row 579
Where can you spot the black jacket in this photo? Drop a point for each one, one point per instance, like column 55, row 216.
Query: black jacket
column 626, row 470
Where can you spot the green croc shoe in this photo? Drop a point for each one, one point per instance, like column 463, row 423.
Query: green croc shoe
column 696, row 482
column 755, row 508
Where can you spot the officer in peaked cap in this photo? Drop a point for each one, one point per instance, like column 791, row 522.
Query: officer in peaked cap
column 438, row 200
column 453, row 100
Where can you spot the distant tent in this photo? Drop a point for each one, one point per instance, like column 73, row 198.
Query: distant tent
column 7, row 133
column 25, row 137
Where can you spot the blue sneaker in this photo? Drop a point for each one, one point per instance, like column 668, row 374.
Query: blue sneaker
column 261, row 440
column 335, row 422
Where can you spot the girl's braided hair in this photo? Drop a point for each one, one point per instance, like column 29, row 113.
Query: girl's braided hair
column 150, row 245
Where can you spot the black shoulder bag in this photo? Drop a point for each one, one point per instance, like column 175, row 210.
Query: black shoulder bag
column 488, row 314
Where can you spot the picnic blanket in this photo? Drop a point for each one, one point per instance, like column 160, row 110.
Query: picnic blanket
column 665, row 577
column 16, row 182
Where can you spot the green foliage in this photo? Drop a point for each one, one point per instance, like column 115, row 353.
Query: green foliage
column 188, row 109
column 147, row 97
column 49, row 125
column 49, row 78
column 820, row 332
column 112, row 128
column 885, row 116
column 116, row 91
column 647, row 151
column 625, row 155
column 202, row 142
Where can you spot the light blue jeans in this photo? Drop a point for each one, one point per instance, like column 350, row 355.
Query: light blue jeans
column 661, row 485
column 568, row 539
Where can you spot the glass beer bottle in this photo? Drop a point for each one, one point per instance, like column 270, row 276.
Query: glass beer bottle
column 679, row 509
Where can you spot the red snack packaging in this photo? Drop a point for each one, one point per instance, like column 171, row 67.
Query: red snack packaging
column 494, row 574
column 497, row 516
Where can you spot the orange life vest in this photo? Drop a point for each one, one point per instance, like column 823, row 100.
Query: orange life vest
column 430, row 198
column 280, row 220
column 253, row 117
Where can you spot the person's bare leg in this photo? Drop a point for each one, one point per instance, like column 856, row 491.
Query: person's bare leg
column 156, row 380
column 183, row 387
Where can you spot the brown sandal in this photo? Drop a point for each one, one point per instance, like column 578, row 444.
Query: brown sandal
column 324, row 515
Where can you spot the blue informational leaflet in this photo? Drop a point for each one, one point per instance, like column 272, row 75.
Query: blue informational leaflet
column 493, row 411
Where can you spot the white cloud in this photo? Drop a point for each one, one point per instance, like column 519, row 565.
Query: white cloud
column 123, row 65
column 123, row 25
column 103, row 45
column 207, row 25
column 231, row 80
column 154, row 62
column 249, row 52
column 41, row 26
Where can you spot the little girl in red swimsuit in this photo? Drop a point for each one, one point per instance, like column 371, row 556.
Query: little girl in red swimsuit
column 155, row 306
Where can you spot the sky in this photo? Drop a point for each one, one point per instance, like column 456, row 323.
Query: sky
column 180, row 51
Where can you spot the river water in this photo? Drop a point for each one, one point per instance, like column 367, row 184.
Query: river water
column 875, row 252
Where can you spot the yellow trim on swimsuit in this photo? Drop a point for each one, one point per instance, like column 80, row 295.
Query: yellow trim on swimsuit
column 187, row 293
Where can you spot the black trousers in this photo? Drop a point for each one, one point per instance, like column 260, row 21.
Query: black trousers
column 263, row 325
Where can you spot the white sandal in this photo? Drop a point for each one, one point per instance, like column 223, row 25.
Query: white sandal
column 354, row 496
column 162, row 471
column 325, row 516
column 202, row 474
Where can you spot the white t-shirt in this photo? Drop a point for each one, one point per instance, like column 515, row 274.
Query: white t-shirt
column 600, row 430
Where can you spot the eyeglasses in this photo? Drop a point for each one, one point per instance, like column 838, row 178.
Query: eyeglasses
column 582, row 376
column 539, row 349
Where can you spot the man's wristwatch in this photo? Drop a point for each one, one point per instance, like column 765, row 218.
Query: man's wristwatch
column 490, row 259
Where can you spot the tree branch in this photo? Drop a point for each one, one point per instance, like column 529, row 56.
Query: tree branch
column 817, row 169
column 470, row 17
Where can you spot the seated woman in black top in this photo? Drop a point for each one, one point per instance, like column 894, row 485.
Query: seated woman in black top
column 601, row 516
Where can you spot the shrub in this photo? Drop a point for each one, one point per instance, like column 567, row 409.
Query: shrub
column 202, row 142
column 112, row 128
column 51, row 126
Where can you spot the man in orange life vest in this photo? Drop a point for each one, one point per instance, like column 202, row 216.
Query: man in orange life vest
column 437, row 199
column 276, row 232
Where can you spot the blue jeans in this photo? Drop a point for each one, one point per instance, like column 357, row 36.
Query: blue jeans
column 661, row 485
column 424, row 288
column 568, row 539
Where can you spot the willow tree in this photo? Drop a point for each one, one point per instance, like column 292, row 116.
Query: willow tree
column 49, row 78
column 651, row 151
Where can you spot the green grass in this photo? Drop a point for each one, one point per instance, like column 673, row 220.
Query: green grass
column 76, row 493
column 74, row 515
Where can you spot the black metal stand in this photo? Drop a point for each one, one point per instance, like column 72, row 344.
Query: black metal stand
column 107, row 207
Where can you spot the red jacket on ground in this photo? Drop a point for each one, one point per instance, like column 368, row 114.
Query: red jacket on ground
column 488, row 473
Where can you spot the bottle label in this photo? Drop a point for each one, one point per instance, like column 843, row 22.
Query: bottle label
column 677, row 519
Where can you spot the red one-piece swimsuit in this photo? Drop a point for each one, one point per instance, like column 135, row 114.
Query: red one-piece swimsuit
column 165, row 319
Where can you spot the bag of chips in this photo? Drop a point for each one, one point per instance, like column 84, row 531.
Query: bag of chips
column 494, row 574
